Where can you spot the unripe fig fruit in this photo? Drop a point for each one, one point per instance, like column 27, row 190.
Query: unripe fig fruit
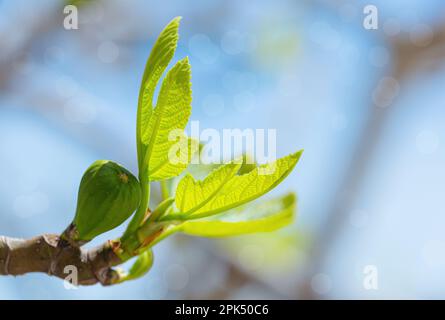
column 108, row 195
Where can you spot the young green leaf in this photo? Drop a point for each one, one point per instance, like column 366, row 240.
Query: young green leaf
column 167, row 123
column 141, row 266
column 160, row 56
column 170, row 115
column 248, row 164
column 259, row 217
column 191, row 195
column 161, row 209
column 198, row 199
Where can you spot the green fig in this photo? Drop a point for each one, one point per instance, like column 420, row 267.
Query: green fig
column 108, row 195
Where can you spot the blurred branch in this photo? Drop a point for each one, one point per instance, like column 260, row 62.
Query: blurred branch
column 32, row 31
column 408, row 58
column 238, row 277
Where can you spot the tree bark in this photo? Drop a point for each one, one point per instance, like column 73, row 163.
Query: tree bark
column 50, row 254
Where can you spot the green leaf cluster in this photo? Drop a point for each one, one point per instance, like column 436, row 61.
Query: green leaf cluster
column 224, row 203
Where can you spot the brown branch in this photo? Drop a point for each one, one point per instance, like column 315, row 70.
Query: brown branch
column 49, row 254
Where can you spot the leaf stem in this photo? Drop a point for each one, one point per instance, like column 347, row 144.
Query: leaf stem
column 164, row 189
column 174, row 217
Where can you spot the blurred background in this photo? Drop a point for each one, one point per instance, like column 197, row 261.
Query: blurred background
column 368, row 107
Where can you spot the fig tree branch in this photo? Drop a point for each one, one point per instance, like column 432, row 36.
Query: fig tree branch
column 50, row 254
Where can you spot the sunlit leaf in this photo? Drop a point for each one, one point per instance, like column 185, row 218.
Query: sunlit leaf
column 160, row 56
column 259, row 217
column 223, row 189
column 191, row 195
column 167, row 123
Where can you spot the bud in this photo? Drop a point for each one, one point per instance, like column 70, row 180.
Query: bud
column 108, row 195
